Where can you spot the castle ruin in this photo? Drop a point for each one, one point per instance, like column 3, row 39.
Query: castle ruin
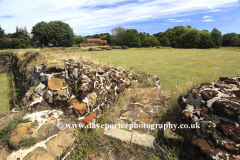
column 24, row 31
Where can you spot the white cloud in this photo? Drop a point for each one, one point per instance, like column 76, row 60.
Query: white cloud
column 208, row 20
column 207, row 17
column 215, row 10
column 87, row 16
column 238, row 20
column 175, row 20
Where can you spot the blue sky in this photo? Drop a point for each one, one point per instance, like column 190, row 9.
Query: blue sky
column 88, row 17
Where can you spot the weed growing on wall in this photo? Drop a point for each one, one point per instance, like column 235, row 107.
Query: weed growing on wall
column 87, row 143
column 27, row 142
column 34, row 123
column 103, row 118
column 118, row 100
column 6, row 131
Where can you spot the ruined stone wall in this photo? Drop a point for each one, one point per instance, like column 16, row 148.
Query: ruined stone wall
column 81, row 90
column 5, row 62
column 216, row 107
column 65, row 50
column 20, row 77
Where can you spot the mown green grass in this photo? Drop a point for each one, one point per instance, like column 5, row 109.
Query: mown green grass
column 174, row 67
column 4, row 90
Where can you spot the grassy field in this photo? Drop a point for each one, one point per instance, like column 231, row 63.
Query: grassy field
column 175, row 67
column 4, row 90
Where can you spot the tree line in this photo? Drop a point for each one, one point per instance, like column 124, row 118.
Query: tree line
column 15, row 40
column 60, row 34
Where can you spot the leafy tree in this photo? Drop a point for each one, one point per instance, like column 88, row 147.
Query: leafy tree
column 216, row 37
column 80, row 39
column 9, row 35
column 154, row 41
column 60, row 34
column 4, row 43
column 23, row 40
column 179, row 32
column 142, row 36
column 150, row 42
column 35, row 41
column 186, row 37
column 231, row 39
column 15, row 43
column 119, row 33
column 164, row 41
column 146, row 42
column 157, row 34
column 105, row 36
column 114, row 40
column 192, row 39
column 206, row 40
column 169, row 33
column 40, row 30
column 96, row 36
column 131, row 38
column 88, row 37
column 1, row 32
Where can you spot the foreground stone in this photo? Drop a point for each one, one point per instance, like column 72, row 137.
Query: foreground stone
column 39, row 154
column 51, row 148
column 45, row 131
column 55, row 66
column 61, row 142
column 133, row 137
column 171, row 135
column 22, row 131
column 56, row 83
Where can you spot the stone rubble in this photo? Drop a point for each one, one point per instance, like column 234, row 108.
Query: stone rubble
column 216, row 107
column 5, row 62
column 79, row 91
column 146, row 111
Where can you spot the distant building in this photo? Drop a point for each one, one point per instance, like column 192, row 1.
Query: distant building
column 97, row 41
column 24, row 31
column 86, row 44
column 92, row 42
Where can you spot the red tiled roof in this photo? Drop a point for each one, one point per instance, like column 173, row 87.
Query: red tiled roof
column 94, row 40
column 97, row 40
column 103, row 41
column 10, row 39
